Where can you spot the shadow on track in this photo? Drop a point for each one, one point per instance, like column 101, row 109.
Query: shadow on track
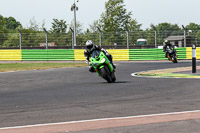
column 121, row 82
column 117, row 82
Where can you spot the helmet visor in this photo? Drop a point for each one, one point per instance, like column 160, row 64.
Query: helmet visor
column 89, row 46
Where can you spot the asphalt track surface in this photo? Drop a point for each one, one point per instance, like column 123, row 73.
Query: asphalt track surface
column 73, row 94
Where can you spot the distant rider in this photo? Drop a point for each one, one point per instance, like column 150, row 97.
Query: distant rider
column 90, row 47
column 167, row 43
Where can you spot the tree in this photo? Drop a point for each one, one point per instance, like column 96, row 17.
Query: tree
column 150, row 35
column 93, row 26
column 79, row 27
column 3, row 30
column 12, row 41
column 79, row 32
column 12, row 23
column 59, row 26
column 43, row 24
column 167, row 29
column 133, row 25
column 116, row 18
column 2, row 24
column 115, row 21
column 34, row 25
column 193, row 27
column 194, row 31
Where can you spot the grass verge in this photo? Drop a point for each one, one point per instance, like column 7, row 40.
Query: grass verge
column 169, row 73
column 36, row 66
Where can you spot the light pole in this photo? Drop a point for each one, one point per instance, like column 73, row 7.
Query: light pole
column 74, row 8
column 72, row 37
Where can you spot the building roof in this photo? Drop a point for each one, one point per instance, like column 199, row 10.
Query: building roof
column 176, row 38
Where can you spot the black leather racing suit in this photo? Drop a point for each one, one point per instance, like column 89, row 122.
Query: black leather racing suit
column 165, row 48
column 88, row 53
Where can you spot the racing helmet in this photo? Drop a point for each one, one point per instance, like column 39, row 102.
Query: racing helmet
column 89, row 45
column 167, row 42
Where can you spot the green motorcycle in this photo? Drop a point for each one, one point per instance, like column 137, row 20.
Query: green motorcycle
column 103, row 66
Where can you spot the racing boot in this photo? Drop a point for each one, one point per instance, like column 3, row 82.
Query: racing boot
column 114, row 66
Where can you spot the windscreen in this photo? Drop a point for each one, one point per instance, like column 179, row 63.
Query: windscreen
column 96, row 53
column 141, row 43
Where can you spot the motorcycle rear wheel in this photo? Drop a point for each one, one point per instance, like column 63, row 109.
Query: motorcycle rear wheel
column 113, row 77
column 175, row 60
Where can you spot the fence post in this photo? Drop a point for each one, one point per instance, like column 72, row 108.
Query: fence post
column 20, row 39
column 184, row 35
column 72, row 37
column 128, row 42
column 155, row 37
column 100, row 36
column 193, row 58
column 46, row 38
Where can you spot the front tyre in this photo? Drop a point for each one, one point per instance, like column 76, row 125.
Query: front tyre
column 105, row 73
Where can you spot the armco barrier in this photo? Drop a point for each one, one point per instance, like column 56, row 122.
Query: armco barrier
column 153, row 54
column 146, row 54
column 119, row 54
column 181, row 53
column 10, row 55
column 78, row 55
column 47, row 55
column 189, row 53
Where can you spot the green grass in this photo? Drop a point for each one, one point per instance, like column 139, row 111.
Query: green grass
column 36, row 66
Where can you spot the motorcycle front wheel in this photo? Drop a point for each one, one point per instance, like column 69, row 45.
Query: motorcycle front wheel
column 105, row 73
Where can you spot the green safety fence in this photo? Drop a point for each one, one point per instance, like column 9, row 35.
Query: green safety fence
column 47, row 55
column 181, row 53
column 146, row 54
column 153, row 54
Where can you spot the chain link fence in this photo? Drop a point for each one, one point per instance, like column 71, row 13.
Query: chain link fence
column 105, row 39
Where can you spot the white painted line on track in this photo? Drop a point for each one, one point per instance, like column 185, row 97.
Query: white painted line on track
column 103, row 119
column 155, row 77
column 135, row 75
column 8, row 72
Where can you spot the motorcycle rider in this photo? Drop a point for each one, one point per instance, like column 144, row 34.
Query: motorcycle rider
column 167, row 43
column 90, row 47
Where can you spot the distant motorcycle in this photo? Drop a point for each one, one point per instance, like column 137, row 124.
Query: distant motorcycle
column 103, row 66
column 171, row 54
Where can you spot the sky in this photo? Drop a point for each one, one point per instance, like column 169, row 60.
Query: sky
column 146, row 12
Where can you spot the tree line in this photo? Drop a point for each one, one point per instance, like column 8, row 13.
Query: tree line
column 114, row 22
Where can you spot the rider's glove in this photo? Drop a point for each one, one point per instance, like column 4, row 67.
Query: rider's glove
column 91, row 68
